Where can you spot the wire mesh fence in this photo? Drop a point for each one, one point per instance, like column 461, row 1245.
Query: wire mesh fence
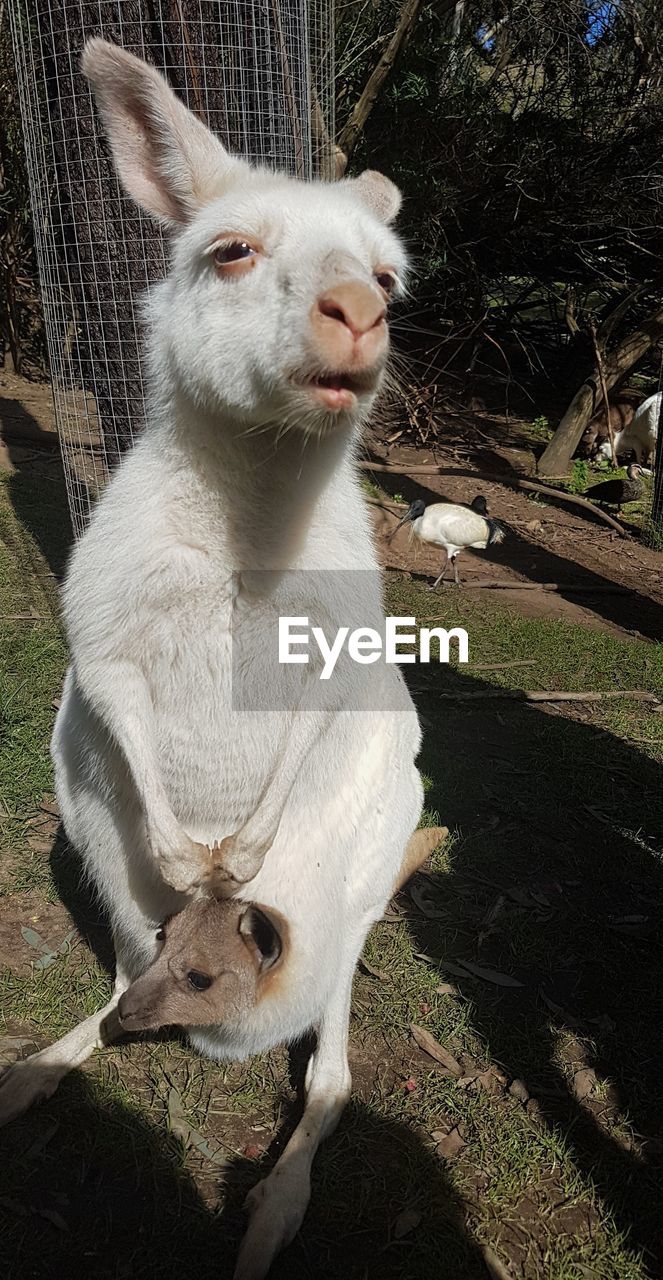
column 258, row 72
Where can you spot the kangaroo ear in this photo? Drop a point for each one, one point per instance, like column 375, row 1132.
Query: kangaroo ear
column 167, row 160
column 262, row 935
column 380, row 194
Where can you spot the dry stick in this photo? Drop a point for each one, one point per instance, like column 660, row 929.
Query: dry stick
column 502, row 666
column 353, row 128
column 521, row 695
column 574, row 588
column 604, row 390
column 516, row 483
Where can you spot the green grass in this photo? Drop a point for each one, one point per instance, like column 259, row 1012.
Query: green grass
column 555, row 847
column 31, row 670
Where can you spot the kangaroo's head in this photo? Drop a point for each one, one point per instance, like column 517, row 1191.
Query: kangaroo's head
column 213, row 965
column 275, row 306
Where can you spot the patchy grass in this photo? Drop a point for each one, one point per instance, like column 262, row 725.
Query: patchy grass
column 551, row 880
column 31, row 672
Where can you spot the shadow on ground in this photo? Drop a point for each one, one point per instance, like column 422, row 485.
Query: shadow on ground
column 627, row 609
column 36, row 487
column 557, row 881
column 89, row 1186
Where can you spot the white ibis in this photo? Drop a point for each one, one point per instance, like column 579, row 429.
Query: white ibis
column 454, row 527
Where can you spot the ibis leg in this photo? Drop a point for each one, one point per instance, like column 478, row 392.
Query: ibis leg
column 455, row 566
column 444, row 569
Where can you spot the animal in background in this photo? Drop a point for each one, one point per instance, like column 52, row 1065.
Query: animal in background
column 615, row 492
column 453, row 527
column 640, row 436
column 623, row 405
column 268, row 341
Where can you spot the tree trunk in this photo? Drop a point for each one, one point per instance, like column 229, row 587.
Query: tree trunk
column 557, row 458
column 352, row 130
column 654, row 533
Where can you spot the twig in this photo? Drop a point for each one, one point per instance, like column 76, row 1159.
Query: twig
column 571, row 587
column 516, row 483
column 604, row 390
column 23, row 617
column 522, row 695
column 502, row 666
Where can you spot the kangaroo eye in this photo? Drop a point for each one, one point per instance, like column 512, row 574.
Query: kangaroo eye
column 199, row 981
column 386, row 281
column 234, row 252
column 161, row 934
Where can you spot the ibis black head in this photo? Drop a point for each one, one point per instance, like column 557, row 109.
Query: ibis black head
column 479, row 505
column 414, row 511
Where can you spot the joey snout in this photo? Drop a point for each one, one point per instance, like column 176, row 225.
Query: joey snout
column 211, row 967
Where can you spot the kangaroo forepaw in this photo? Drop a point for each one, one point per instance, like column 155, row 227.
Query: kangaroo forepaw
column 234, row 862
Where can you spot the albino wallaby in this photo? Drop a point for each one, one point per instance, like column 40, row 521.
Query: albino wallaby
column 640, row 434
column 267, row 344
column 218, row 959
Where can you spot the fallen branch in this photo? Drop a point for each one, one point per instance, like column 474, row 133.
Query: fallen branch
column 502, row 666
column 532, row 486
column 571, row 587
column 604, row 390
column 522, row 695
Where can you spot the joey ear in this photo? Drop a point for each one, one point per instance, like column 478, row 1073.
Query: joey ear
column 262, row 935
column 167, row 160
column 378, row 193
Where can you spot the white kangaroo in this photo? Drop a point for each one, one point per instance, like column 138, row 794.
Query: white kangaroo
column 267, row 345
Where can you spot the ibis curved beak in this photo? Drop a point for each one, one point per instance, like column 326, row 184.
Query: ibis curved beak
column 406, row 517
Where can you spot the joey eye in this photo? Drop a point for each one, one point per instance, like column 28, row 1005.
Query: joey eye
column 161, row 934
column 199, row 981
column 237, row 251
column 386, row 281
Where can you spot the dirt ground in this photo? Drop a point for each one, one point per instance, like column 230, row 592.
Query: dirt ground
column 546, row 544
column 530, row 948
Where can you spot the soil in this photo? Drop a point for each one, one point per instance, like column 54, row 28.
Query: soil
column 544, row 544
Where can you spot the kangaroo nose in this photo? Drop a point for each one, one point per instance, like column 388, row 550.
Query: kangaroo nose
column 356, row 306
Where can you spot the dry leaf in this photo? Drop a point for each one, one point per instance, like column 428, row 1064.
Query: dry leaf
column 491, row 1082
column 374, row 973
column 447, row 989
column 51, row 807
column 584, row 1083
column 180, row 1126
column 431, row 1046
column 518, row 1089
column 450, row 1144
column 427, row 902
column 406, row 1222
column 491, row 975
column 52, row 1215
column 495, row 1268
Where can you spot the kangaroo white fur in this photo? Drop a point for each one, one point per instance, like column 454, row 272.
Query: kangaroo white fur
column 641, row 434
column 239, row 468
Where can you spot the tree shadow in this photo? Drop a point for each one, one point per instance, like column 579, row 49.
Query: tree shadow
column 78, row 895
column 541, row 564
column 37, row 487
column 89, row 1185
column 556, row 880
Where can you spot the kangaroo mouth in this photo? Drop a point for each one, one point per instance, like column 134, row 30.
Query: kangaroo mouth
column 338, row 391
